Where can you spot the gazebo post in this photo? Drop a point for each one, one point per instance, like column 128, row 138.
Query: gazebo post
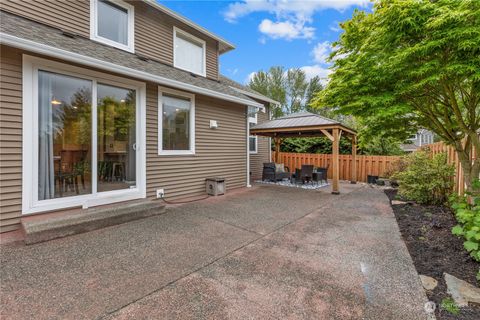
column 278, row 142
column 335, row 161
column 353, row 179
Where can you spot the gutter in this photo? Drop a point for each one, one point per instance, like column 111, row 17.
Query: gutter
column 55, row 52
column 229, row 46
column 256, row 96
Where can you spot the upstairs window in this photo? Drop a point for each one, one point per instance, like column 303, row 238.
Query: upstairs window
column 189, row 52
column 112, row 23
column 252, row 115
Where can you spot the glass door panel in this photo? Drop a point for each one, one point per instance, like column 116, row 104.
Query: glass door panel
column 116, row 138
column 64, row 136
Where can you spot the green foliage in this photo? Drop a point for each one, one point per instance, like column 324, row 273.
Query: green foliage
column 426, row 179
column 289, row 87
column 467, row 213
column 314, row 145
column 381, row 146
column 449, row 305
column 409, row 64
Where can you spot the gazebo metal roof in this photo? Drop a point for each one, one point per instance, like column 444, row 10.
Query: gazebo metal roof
column 298, row 124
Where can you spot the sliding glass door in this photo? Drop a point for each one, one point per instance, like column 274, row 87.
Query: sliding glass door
column 64, row 136
column 85, row 144
column 116, row 163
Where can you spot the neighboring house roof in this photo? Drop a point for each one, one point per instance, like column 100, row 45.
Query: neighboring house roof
column 225, row 46
column 301, row 119
column 246, row 90
column 33, row 36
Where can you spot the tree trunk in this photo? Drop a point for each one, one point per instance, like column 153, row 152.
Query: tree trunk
column 470, row 168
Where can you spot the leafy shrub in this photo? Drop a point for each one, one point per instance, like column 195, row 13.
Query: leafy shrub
column 394, row 168
column 426, row 179
column 467, row 213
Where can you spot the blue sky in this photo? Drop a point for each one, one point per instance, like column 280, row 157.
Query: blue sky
column 271, row 32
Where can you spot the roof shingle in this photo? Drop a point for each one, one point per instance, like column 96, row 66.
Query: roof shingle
column 33, row 31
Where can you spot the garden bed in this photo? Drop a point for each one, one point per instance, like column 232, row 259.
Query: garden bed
column 426, row 231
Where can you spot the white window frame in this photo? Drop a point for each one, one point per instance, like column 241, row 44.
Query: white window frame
column 130, row 47
column 256, row 145
column 194, row 39
column 30, row 202
column 191, row 97
column 254, row 119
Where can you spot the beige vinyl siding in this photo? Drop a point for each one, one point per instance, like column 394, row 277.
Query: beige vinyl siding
column 153, row 29
column 263, row 154
column 219, row 152
column 72, row 16
column 10, row 138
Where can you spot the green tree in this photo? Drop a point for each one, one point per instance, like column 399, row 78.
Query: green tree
column 289, row 87
column 296, row 87
column 412, row 63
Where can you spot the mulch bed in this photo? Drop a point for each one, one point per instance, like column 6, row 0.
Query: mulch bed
column 426, row 231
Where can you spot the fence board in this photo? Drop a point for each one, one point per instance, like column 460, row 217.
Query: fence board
column 371, row 165
column 366, row 165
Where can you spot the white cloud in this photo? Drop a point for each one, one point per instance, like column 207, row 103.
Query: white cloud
column 317, row 70
column 287, row 30
column 335, row 27
column 249, row 77
column 291, row 16
column 321, row 52
column 300, row 9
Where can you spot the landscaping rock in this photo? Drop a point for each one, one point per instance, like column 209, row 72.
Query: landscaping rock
column 461, row 291
column 428, row 283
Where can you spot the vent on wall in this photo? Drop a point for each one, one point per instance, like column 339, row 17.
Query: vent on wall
column 69, row 34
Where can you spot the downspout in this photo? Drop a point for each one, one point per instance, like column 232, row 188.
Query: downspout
column 270, row 139
column 248, row 149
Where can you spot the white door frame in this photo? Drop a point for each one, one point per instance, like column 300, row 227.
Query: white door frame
column 30, row 202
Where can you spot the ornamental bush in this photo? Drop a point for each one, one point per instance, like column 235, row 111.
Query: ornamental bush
column 425, row 179
column 467, row 213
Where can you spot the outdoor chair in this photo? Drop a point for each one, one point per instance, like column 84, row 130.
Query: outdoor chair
column 324, row 172
column 306, row 173
column 271, row 173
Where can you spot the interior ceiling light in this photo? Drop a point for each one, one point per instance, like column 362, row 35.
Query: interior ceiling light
column 56, row 102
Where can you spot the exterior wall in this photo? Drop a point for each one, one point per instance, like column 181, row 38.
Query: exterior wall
column 263, row 154
column 10, row 139
column 153, row 29
column 219, row 152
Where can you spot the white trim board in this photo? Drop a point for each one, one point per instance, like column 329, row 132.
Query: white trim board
column 190, row 23
column 30, row 202
column 55, row 52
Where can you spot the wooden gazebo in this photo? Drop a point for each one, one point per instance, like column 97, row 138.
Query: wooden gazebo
column 306, row 124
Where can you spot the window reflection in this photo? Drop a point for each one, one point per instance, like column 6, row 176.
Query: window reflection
column 176, row 123
column 116, row 138
column 64, row 136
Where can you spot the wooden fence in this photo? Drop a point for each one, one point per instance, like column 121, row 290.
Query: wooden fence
column 370, row 165
column 452, row 158
column 366, row 165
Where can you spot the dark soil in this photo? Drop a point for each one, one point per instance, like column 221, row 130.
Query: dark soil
column 426, row 231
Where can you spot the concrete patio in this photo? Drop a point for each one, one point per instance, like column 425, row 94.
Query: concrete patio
column 268, row 252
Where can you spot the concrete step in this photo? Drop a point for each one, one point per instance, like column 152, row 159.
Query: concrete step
column 38, row 229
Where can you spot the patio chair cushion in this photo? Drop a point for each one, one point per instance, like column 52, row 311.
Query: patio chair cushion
column 279, row 167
